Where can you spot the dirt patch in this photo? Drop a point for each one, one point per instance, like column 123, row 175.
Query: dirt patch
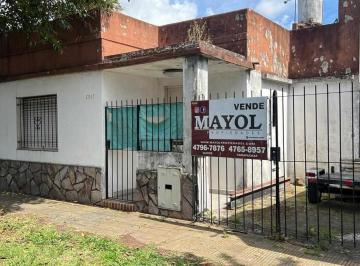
column 130, row 241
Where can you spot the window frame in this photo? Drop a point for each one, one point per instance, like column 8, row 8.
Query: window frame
column 53, row 145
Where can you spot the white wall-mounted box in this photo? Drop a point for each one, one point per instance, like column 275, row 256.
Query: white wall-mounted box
column 169, row 188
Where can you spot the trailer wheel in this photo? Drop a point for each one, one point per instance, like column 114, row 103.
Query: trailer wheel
column 314, row 194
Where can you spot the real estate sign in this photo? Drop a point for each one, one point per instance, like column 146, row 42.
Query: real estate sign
column 234, row 128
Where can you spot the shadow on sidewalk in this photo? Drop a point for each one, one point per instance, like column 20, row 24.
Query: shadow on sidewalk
column 11, row 202
column 296, row 249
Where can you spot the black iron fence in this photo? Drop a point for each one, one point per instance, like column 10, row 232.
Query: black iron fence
column 312, row 192
column 132, row 128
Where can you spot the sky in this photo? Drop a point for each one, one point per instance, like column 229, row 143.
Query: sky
column 160, row 12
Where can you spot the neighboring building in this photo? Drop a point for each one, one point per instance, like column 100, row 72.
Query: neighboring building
column 52, row 106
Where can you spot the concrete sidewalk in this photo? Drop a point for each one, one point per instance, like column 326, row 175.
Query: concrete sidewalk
column 199, row 239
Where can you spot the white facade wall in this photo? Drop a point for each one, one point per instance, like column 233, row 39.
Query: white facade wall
column 324, row 140
column 120, row 86
column 263, row 172
column 80, row 128
column 226, row 174
column 81, row 118
column 124, row 87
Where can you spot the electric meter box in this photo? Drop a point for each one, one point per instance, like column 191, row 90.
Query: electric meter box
column 169, row 188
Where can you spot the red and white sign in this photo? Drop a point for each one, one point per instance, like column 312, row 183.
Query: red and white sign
column 234, row 128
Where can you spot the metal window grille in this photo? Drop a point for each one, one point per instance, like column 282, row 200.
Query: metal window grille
column 38, row 125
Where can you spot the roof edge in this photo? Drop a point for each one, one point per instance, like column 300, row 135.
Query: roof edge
column 148, row 56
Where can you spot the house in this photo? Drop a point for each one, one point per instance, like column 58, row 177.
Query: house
column 57, row 110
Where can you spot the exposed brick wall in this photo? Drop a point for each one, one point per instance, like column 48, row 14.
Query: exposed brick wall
column 269, row 44
column 77, row 54
column 122, row 34
column 81, row 46
column 226, row 30
column 349, row 10
column 329, row 50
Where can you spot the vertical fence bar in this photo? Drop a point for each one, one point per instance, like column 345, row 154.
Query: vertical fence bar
column 341, row 175
column 252, row 190
column 243, row 185
column 126, row 109
column 42, row 112
column 176, row 116
column 226, row 182
column 19, row 107
column 152, row 124
column 112, row 150
column 218, row 192
column 252, row 197
column 202, row 185
column 52, row 130
column 132, row 147
column 106, row 153
column 353, row 162
column 295, row 179
column 195, row 168
column 262, row 188
column 235, row 219
column 146, row 128
column 271, row 168
column 47, row 133
column 158, row 124
column 56, row 125
column 305, row 165
column 25, row 114
column 211, row 187
column 170, row 107
column 117, row 148
column 317, row 164
column 32, row 132
column 328, row 154
column 115, row 121
column 164, row 117
column 283, row 153
column 243, row 195
column 122, row 151
column 37, row 122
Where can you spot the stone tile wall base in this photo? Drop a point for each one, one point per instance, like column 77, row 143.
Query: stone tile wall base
column 146, row 198
column 61, row 182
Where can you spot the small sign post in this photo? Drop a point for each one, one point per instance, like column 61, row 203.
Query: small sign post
column 233, row 128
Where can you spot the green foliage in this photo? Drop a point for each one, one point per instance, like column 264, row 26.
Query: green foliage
column 43, row 16
column 24, row 241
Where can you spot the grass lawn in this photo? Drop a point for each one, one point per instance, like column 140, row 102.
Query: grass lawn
column 27, row 241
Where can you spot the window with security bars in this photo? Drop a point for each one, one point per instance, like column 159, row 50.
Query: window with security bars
column 37, row 123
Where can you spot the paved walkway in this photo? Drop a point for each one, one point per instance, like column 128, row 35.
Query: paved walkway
column 198, row 239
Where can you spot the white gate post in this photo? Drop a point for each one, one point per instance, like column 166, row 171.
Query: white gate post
column 195, row 86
